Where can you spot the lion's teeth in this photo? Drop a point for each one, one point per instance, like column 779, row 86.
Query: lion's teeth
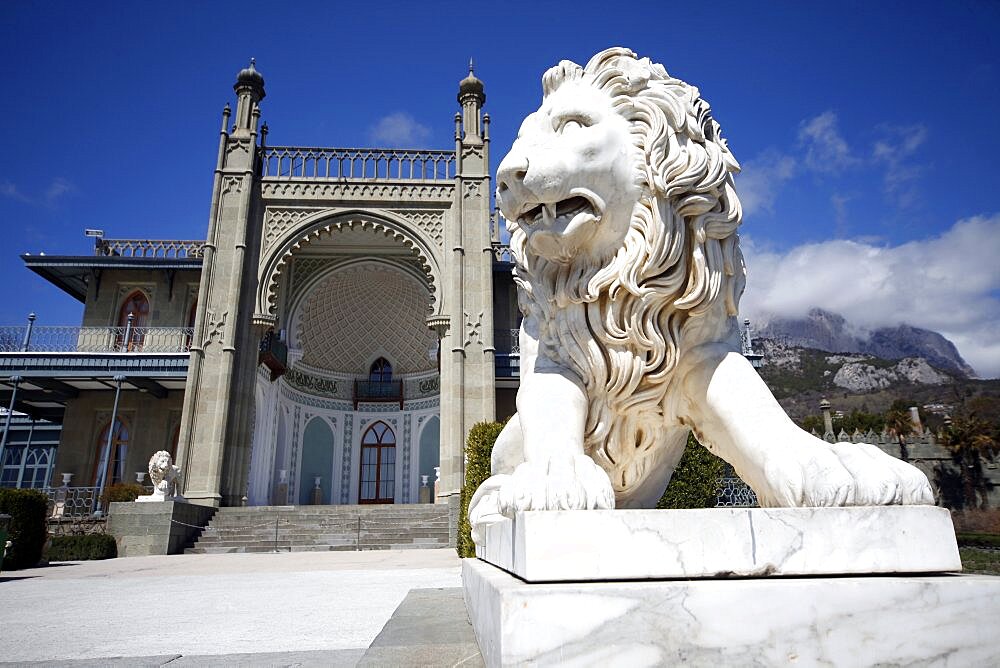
column 549, row 214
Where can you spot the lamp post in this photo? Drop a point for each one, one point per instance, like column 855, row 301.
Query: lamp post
column 106, row 459
column 15, row 380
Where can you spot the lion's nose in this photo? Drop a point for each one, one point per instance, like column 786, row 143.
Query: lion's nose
column 511, row 173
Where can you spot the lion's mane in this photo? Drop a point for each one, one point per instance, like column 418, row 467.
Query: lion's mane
column 156, row 472
column 620, row 323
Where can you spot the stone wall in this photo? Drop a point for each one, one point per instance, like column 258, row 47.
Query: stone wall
column 143, row 529
column 152, row 424
column 169, row 306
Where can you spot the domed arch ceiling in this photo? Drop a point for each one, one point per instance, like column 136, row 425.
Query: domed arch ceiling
column 366, row 311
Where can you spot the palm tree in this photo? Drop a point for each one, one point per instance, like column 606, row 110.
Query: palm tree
column 970, row 439
column 899, row 424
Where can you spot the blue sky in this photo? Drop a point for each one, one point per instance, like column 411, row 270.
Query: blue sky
column 867, row 131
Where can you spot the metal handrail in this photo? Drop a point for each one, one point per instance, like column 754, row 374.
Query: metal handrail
column 303, row 162
column 70, row 339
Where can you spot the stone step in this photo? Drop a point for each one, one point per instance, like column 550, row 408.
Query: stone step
column 322, row 528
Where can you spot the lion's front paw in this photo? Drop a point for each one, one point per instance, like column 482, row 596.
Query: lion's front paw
column 562, row 483
column 844, row 474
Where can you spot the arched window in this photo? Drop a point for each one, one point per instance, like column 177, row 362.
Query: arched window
column 137, row 305
column 381, row 371
column 116, row 458
column 378, row 464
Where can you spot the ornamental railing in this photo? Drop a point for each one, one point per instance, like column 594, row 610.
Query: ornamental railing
column 96, row 339
column 507, row 341
column 378, row 391
column 72, row 501
column 734, row 493
column 163, row 248
column 501, row 253
column 298, row 162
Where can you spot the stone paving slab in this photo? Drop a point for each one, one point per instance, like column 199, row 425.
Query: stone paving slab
column 429, row 628
column 307, row 608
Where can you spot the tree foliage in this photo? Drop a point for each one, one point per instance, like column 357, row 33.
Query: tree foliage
column 478, row 449
column 971, row 439
column 695, row 483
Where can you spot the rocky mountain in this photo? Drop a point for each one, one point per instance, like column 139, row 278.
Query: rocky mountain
column 800, row 377
column 830, row 332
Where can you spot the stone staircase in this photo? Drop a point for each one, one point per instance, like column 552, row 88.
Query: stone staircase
column 322, row 528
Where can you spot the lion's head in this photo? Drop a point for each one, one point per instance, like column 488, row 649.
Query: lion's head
column 620, row 201
column 160, row 465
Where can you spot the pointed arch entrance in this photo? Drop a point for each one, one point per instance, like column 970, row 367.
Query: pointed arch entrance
column 378, row 465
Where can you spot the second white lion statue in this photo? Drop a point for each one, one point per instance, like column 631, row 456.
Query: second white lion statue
column 623, row 215
column 166, row 478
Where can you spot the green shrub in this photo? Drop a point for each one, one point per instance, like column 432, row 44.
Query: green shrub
column 973, row 539
column 121, row 492
column 695, row 483
column 27, row 531
column 478, row 449
column 82, row 548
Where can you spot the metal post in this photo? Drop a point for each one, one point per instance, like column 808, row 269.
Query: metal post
column 14, row 380
column 126, row 343
column 24, row 455
column 27, row 334
column 106, row 459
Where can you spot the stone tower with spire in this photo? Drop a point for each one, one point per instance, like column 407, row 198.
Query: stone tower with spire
column 467, row 361
column 214, row 439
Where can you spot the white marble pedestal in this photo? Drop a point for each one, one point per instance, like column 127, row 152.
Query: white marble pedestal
column 596, row 610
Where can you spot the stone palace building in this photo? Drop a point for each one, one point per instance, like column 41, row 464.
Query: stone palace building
column 347, row 318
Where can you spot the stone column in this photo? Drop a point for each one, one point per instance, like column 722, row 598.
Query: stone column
column 467, row 366
column 219, row 390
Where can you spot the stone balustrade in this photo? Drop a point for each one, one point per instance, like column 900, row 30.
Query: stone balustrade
column 296, row 162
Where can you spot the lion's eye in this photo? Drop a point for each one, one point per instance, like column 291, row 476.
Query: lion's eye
column 569, row 124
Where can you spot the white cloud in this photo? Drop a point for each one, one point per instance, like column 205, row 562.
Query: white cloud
column 56, row 190
column 895, row 151
column 11, row 191
column 825, row 149
column 399, row 129
column 949, row 284
column 760, row 180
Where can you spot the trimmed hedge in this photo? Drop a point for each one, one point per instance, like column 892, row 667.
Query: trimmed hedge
column 975, row 539
column 695, row 483
column 82, row 548
column 478, row 449
column 27, row 531
column 121, row 492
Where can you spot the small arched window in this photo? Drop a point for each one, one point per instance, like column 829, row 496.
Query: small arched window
column 116, row 457
column 136, row 305
column 381, row 371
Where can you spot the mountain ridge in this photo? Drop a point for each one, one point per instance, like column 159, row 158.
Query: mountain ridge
column 831, row 332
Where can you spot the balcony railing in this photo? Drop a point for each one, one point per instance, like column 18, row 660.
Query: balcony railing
column 96, row 340
column 163, row 248
column 378, row 391
column 502, row 253
column 273, row 354
column 72, row 501
column 296, row 162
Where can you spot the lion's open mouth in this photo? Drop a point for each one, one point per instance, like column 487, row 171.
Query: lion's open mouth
column 560, row 214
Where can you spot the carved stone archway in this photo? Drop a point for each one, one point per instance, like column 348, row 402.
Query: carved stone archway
column 324, row 223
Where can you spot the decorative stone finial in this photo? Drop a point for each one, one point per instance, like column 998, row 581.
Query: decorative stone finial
column 471, row 85
column 249, row 76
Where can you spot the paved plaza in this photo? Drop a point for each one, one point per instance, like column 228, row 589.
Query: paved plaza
column 304, row 608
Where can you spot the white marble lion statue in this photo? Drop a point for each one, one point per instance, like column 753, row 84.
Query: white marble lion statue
column 623, row 215
column 166, row 478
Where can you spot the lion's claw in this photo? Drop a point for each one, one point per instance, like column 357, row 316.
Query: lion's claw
column 562, row 483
